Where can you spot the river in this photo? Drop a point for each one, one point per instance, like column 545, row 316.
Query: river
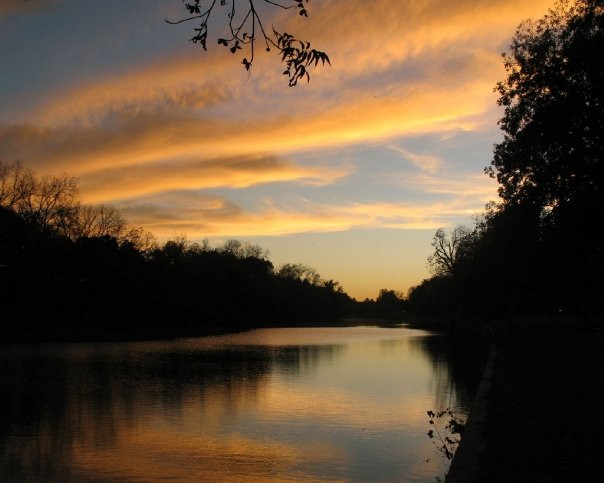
column 279, row 404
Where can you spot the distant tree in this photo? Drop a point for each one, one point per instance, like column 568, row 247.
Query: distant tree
column 48, row 200
column 333, row 286
column 390, row 301
column 246, row 249
column 16, row 184
column 447, row 248
column 51, row 202
column 139, row 238
column 253, row 250
column 94, row 220
column 246, row 28
column 199, row 248
column 386, row 295
column 232, row 247
column 175, row 251
column 301, row 272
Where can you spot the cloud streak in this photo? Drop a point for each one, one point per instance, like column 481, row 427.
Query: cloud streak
column 145, row 179
column 147, row 138
column 424, row 162
column 380, row 88
column 202, row 215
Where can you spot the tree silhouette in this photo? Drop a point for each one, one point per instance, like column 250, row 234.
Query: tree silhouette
column 552, row 153
column 553, row 97
column 447, row 249
column 72, row 271
column 51, row 203
column 246, row 27
column 47, row 201
column 536, row 252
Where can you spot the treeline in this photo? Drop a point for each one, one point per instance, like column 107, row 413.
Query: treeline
column 71, row 269
column 539, row 250
column 389, row 304
column 516, row 260
column 51, row 204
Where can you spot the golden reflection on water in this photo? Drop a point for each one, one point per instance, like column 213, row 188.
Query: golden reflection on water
column 331, row 404
column 147, row 454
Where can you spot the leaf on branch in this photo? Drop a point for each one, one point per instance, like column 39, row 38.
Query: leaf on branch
column 246, row 28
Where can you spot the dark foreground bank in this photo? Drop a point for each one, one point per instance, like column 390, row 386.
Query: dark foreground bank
column 542, row 410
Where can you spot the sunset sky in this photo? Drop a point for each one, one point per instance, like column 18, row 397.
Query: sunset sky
column 351, row 173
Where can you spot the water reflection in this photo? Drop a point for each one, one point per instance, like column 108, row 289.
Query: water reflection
column 275, row 404
column 457, row 365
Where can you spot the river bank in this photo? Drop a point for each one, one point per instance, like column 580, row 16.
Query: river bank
column 540, row 418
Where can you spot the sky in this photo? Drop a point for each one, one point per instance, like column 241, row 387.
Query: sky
column 351, row 173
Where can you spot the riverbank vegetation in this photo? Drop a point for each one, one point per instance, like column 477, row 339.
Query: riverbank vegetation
column 536, row 252
column 72, row 271
column 78, row 269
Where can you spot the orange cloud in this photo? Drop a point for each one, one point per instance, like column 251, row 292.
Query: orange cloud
column 198, row 215
column 412, row 109
column 425, row 162
column 382, row 87
column 196, row 121
column 144, row 179
column 476, row 186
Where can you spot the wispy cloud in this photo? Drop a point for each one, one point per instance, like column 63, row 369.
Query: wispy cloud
column 141, row 135
column 425, row 162
column 154, row 137
column 421, row 67
column 201, row 215
column 145, row 179
column 477, row 186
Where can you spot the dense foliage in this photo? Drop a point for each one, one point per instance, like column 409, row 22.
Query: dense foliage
column 537, row 252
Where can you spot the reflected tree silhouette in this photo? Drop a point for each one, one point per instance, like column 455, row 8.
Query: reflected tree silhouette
column 64, row 400
column 457, row 362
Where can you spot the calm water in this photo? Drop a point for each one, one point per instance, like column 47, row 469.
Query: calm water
column 335, row 404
